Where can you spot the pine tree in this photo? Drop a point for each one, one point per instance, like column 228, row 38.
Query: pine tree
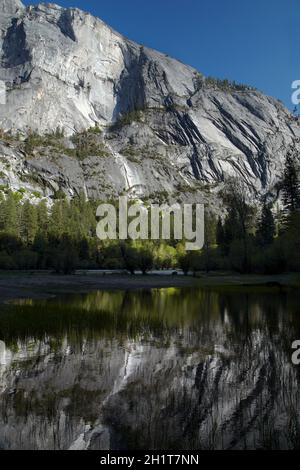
column 10, row 215
column 239, row 222
column 42, row 217
column 291, row 184
column 210, row 234
column 231, row 230
column 59, row 219
column 266, row 228
column 29, row 222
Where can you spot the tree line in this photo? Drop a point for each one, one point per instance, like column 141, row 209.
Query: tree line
column 245, row 239
column 252, row 241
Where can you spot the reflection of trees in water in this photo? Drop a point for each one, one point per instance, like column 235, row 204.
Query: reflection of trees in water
column 165, row 368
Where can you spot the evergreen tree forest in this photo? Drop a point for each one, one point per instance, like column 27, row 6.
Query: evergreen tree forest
column 245, row 239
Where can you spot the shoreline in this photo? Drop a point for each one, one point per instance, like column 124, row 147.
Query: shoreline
column 17, row 285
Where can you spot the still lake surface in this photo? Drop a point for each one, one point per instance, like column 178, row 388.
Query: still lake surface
column 157, row 369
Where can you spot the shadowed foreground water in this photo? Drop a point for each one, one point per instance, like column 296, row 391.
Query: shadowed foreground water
column 161, row 369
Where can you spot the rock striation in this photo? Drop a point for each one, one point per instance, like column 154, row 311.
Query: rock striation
column 165, row 127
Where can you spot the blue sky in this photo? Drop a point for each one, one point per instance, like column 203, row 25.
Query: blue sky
column 250, row 41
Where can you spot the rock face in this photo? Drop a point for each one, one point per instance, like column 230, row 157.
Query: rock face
column 10, row 7
column 165, row 126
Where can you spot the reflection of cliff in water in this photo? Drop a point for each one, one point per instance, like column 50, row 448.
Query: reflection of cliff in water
column 171, row 369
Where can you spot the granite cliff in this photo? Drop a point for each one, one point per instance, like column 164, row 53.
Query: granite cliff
column 163, row 126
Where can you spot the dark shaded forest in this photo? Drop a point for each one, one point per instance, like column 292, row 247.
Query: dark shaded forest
column 246, row 239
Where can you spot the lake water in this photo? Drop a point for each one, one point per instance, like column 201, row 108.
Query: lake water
column 161, row 369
